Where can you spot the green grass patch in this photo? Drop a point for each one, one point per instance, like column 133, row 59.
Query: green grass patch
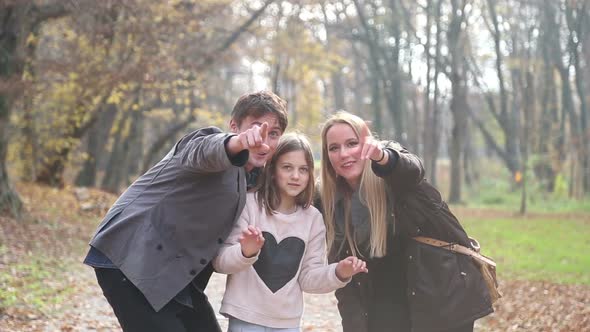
column 495, row 188
column 536, row 249
column 35, row 282
column 493, row 193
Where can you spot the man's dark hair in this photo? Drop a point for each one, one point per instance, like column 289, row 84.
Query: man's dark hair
column 258, row 104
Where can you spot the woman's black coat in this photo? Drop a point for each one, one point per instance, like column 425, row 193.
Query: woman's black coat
column 414, row 287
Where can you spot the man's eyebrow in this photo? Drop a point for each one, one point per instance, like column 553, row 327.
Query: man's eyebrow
column 271, row 128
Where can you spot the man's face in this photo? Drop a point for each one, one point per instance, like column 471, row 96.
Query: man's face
column 258, row 158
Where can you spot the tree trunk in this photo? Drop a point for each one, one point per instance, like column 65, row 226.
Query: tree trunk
column 30, row 149
column 575, row 18
column 455, row 36
column 116, row 165
column 427, row 110
column 15, row 28
column 51, row 171
column 435, row 124
column 377, row 125
column 568, row 111
column 136, row 153
column 528, row 96
column 358, row 82
column 160, row 142
column 550, row 146
column 458, row 134
column 414, row 139
column 17, row 20
column 469, row 160
column 510, row 118
column 10, row 203
column 98, row 136
column 336, row 77
column 87, row 176
column 338, row 89
column 123, row 161
column 387, row 70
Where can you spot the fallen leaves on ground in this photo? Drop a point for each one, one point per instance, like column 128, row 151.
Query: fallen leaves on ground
column 540, row 306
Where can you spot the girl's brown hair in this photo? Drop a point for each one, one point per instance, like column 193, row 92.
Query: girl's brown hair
column 267, row 194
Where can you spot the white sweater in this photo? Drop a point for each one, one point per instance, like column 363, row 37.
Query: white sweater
column 268, row 289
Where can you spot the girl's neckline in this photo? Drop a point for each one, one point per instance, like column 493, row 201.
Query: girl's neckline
column 288, row 213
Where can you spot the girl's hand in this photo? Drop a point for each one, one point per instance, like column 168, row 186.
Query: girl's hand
column 350, row 266
column 251, row 241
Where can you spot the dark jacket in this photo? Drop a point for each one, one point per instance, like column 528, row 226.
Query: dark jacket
column 414, row 287
column 165, row 229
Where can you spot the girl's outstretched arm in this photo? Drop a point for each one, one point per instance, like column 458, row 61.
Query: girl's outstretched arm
column 316, row 275
column 350, row 266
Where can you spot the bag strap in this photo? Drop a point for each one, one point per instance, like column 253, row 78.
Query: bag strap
column 455, row 248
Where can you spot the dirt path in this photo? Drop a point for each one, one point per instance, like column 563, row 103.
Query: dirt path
column 87, row 310
column 526, row 306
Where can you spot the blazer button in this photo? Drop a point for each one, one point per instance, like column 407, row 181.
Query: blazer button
column 203, row 261
column 159, row 247
column 220, row 240
column 193, row 272
column 410, row 257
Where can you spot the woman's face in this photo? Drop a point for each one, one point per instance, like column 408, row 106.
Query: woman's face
column 344, row 151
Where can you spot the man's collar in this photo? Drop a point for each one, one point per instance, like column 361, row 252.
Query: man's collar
column 252, row 177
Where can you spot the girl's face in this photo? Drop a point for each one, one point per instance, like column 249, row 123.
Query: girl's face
column 291, row 174
column 344, row 152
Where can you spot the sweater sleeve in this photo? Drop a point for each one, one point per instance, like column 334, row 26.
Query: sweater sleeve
column 316, row 275
column 230, row 259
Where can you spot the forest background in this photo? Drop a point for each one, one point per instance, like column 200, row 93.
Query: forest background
column 491, row 94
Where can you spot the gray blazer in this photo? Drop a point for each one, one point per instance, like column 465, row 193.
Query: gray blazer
column 169, row 224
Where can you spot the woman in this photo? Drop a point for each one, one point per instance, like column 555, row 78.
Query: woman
column 375, row 203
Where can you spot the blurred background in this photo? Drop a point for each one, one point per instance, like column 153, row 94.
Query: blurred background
column 491, row 94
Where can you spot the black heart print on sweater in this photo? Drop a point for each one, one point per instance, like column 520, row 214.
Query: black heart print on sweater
column 278, row 263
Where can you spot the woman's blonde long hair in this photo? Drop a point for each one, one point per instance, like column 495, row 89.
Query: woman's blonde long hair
column 371, row 191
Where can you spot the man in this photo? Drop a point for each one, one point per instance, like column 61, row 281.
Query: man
column 153, row 249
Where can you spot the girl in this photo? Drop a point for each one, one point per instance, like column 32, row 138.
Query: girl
column 277, row 249
column 377, row 205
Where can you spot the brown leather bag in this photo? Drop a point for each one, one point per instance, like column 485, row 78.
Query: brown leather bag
column 486, row 265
